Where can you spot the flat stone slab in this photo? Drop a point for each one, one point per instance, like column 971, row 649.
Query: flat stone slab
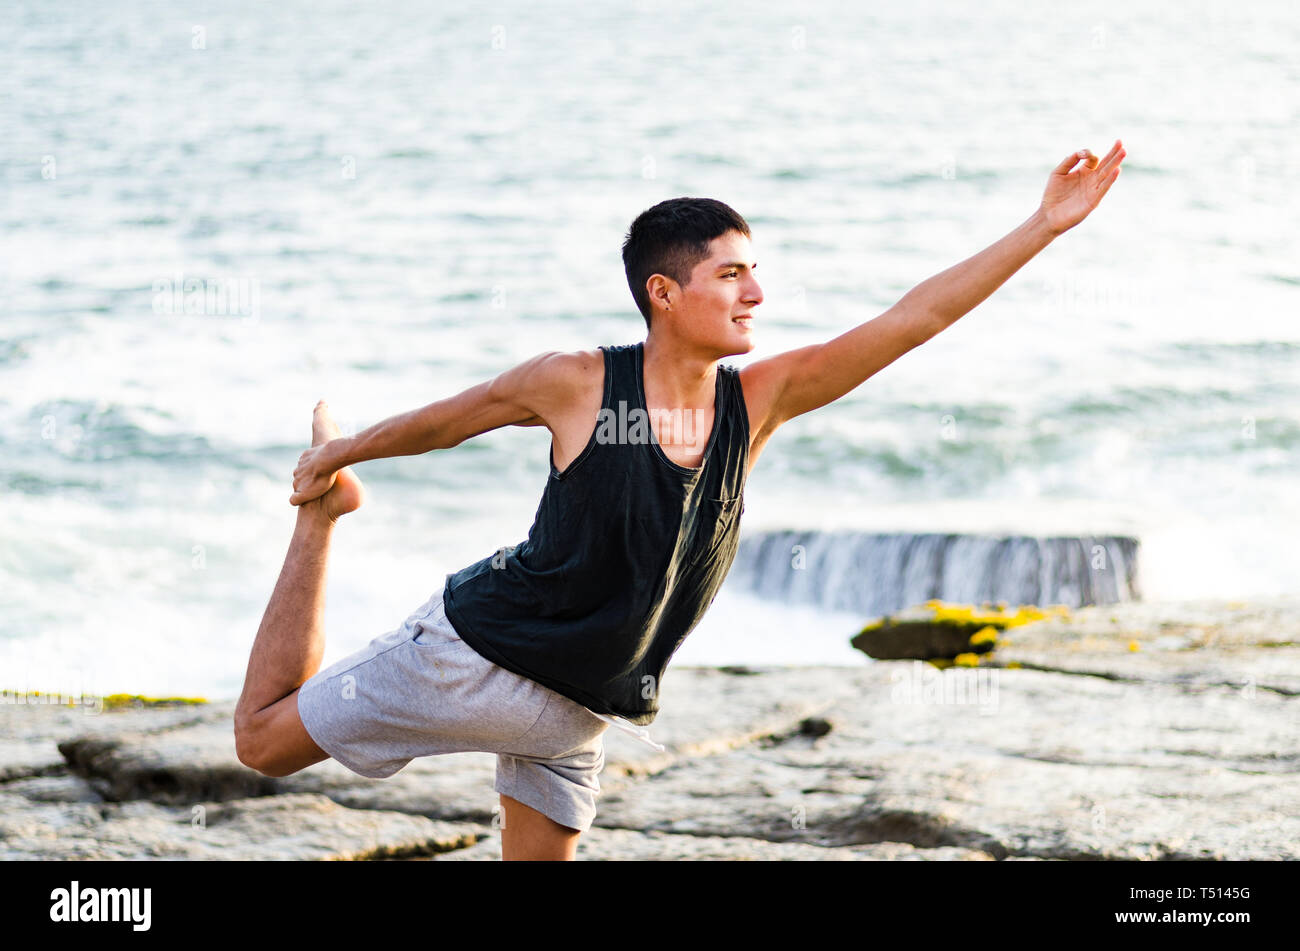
column 60, row 788
column 707, row 710
column 1064, row 743
column 188, row 764
column 32, row 728
column 290, row 827
column 1057, row 767
column 19, row 758
column 606, row 845
column 1248, row 645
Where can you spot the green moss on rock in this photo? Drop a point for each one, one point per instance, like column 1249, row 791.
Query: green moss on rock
column 945, row 632
column 122, row 700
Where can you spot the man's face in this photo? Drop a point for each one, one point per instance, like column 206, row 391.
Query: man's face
column 722, row 291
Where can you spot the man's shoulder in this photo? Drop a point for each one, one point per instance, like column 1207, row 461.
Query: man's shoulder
column 571, row 369
column 557, row 378
column 560, row 365
column 580, row 361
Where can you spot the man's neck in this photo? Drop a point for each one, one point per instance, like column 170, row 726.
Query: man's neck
column 682, row 376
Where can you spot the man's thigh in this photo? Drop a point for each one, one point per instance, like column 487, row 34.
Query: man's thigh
column 283, row 745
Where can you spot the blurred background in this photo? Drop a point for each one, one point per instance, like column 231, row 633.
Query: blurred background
column 382, row 204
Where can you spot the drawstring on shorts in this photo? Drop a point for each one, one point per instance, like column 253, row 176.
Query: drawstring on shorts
column 640, row 733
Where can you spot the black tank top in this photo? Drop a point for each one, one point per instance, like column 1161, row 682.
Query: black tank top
column 626, row 553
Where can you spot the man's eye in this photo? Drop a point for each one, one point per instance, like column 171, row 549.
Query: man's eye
column 732, row 273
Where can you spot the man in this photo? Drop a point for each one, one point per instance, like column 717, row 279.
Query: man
column 534, row 651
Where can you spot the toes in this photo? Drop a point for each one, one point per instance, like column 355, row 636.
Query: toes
column 323, row 425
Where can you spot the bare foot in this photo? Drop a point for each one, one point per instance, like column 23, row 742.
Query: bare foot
column 347, row 493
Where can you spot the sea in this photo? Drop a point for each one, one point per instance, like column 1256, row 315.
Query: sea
column 383, row 204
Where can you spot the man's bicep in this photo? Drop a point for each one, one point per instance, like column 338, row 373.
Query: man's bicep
column 517, row 397
column 810, row 377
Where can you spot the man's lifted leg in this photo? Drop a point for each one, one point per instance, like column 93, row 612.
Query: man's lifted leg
column 269, row 735
column 287, row 652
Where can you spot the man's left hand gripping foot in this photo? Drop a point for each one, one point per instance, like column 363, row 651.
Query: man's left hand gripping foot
column 315, row 482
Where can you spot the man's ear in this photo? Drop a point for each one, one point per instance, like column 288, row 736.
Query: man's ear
column 660, row 291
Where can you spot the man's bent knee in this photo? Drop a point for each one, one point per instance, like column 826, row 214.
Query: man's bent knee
column 250, row 753
column 274, row 742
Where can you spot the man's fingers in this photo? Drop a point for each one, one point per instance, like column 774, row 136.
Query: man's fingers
column 1102, row 182
column 1089, row 158
column 1114, row 155
column 1114, row 158
column 1108, row 181
column 1069, row 162
column 1105, row 173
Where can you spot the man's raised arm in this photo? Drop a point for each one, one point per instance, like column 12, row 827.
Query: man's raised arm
column 524, row 395
column 801, row 380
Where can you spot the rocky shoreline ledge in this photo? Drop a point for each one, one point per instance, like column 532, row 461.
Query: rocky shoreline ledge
column 1166, row 730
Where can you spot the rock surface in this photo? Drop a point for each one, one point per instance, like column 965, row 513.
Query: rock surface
column 621, row 845
column 300, row 826
column 1064, row 743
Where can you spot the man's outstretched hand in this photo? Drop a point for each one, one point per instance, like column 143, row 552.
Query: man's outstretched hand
column 1073, row 192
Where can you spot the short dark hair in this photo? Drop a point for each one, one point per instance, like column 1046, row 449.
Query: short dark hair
column 670, row 238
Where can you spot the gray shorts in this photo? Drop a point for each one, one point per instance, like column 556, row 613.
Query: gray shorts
column 420, row 691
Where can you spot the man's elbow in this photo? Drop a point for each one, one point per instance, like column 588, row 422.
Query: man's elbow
column 923, row 331
column 913, row 324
